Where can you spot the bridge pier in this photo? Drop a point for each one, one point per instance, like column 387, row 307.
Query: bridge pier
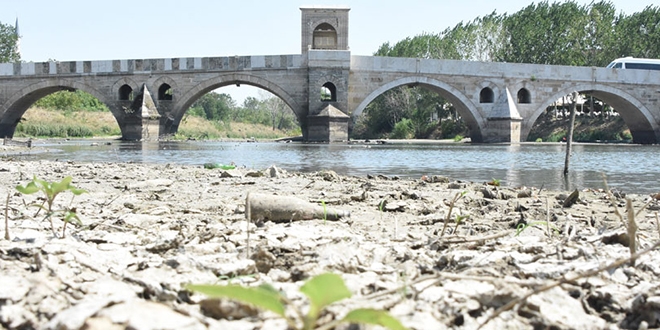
column 141, row 120
column 330, row 125
column 501, row 130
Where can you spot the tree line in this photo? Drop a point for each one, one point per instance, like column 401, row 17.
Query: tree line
column 561, row 33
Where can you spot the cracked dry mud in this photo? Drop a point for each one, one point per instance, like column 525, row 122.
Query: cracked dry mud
column 150, row 229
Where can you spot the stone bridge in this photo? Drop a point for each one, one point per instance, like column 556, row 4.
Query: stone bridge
column 326, row 87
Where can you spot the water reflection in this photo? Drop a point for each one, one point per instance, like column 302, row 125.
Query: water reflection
column 630, row 168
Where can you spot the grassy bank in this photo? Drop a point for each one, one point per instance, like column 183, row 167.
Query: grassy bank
column 42, row 123
column 587, row 129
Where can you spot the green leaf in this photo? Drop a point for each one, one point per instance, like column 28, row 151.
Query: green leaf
column 258, row 296
column 323, row 290
column 77, row 191
column 70, row 216
column 29, row 188
column 375, row 317
column 61, row 186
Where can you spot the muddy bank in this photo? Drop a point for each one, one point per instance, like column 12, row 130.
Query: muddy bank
column 150, row 229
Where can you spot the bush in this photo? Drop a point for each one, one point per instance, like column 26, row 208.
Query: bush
column 403, row 129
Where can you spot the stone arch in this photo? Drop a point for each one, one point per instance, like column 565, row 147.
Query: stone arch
column 640, row 120
column 329, row 92
column 325, row 37
column 486, row 95
column 126, row 93
column 163, row 83
column 184, row 102
column 524, row 96
column 465, row 107
column 124, row 82
column 20, row 102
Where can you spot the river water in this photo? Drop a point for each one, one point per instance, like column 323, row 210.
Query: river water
column 629, row 168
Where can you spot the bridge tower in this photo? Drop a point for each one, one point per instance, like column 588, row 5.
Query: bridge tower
column 325, row 50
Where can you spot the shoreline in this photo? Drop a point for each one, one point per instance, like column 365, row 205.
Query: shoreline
column 149, row 229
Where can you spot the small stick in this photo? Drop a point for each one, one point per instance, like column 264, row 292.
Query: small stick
column 248, row 219
column 632, row 230
column 7, row 219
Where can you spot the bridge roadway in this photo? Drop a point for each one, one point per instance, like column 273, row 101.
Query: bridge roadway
column 499, row 101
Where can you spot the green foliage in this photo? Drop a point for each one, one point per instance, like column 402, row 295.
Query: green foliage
column 458, row 138
column 8, row 43
column 403, row 129
column 322, row 291
column 55, row 130
column 71, row 101
column 50, row 191
column 221, row 107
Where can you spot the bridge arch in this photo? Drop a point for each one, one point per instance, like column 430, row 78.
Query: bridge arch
column 639, row 119
column 183, row 103
column 14, row 108
column 119, row 85
column 158, row 86
column 464, row 105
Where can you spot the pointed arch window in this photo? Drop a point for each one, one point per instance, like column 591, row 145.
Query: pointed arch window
column 126, row 93
column 325, row 37
column 524, row 97
column 486, row 95
column 165, row 92
column 329, row 92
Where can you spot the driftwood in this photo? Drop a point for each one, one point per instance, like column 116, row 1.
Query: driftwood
column 288, row 208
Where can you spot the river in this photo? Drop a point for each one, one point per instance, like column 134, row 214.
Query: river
column 629, row 168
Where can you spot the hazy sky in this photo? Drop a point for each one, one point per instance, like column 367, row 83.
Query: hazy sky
column 120, row 29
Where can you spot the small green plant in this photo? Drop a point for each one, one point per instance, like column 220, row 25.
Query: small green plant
column 539, row 140
column 458, row 138
column 322, row 290
column 459, row 219
column 325, row 212
column 51, row 190
column 451, row 207
column 495, row 182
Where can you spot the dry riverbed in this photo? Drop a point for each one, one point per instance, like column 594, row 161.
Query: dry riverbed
column 150, row 229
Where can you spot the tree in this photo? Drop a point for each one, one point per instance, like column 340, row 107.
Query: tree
column 638, row 35
column 8, row 44
column 213, row 106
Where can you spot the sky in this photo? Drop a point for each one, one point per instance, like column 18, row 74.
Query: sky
column 78, row 30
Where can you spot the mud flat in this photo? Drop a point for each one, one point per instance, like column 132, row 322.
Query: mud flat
column 150, row 229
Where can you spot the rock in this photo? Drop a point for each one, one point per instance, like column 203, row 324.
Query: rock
column 226, row 309
column 275, row 172
column 288, row 208
column 143, row 315
column 329, row 175
column 571, row 199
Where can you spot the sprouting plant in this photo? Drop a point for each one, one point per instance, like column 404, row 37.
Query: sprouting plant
column 381, row 207
column 459, row 219
column 495, row 182
column 451, row 207
column 322, row 290
column 51, row 190
column 325, row 212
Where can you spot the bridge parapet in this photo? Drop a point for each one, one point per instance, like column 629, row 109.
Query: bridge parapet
column 207, row 64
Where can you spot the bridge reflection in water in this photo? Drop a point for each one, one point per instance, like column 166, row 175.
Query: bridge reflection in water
column 630, row 168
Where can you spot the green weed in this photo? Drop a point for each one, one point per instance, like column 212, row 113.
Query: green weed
column 322, row 290
column 50, row 191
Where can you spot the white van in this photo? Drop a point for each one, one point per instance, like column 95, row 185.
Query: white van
column 635, row 63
